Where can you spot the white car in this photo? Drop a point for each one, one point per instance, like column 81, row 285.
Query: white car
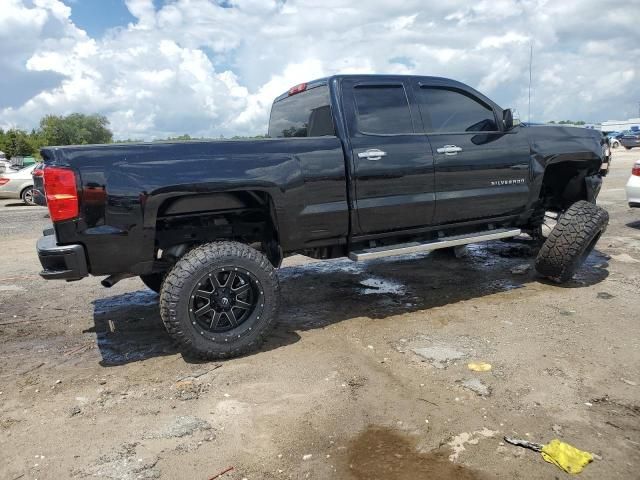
column 18, row 184
column 633, row 186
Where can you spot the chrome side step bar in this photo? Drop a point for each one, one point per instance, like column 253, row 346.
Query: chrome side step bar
column 444, row 242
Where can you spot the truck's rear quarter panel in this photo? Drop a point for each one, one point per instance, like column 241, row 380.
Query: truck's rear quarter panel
column 122, row 187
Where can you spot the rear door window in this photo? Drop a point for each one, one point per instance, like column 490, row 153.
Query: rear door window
column 382, row 109
column 305, row 114
column 451, row 111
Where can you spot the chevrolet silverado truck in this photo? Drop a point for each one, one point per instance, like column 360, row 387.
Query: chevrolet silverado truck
column 363, row 166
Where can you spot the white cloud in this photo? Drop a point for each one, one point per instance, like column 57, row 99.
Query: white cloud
column 510, row 39
column 192, row 66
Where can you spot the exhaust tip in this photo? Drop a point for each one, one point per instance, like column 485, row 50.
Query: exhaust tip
column 111, row 280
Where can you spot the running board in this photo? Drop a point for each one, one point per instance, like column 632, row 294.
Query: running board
column 444, row 242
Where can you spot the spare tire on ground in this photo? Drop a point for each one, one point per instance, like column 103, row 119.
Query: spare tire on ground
column 571, row 241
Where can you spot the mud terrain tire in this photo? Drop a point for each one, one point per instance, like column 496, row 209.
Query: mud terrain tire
column 220, row 300
column 153, row 281
column 571, row 241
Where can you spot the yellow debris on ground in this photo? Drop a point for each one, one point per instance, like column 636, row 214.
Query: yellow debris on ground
column 479, row 366
column 565, row 456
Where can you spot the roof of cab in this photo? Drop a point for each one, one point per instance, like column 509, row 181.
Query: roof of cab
column 442, row 81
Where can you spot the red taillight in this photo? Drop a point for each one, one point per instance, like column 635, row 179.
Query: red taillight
column 636, row 170
column 37, row 173
column 4, row 181
column 62, row 196
column 297, row 89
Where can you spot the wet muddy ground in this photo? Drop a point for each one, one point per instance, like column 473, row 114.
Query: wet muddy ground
column 365, row 377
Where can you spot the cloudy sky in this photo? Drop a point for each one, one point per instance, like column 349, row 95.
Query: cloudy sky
column 212, row 67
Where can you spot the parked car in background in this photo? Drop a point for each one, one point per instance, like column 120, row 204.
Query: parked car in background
column 630, row 139
column 614, row 139
column 39, row 197
column 18, row 184
column 21, row 162
column 633, row 186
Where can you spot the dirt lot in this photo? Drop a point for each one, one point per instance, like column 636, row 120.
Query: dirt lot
column 365, row 377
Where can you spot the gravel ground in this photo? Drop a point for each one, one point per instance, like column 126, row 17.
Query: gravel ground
column 365, row 377
column 19, row 220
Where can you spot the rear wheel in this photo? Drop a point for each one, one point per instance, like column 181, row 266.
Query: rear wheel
column 153, row 281
column 572, row 239
column 27, row 196
column 220, row 300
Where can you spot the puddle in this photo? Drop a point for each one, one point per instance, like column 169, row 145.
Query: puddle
column 129, row 329
column 381, row 453
column 340, row 265
column 344, row 265
column 117, row 350
column 141, row 298
column 378, row 286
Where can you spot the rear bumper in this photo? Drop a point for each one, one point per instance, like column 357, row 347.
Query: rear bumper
column 61, row 262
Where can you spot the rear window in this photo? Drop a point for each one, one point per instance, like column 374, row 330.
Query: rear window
column 305, row 114
column 383, row 109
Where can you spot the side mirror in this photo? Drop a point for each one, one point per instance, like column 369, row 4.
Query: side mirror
column 510, row 118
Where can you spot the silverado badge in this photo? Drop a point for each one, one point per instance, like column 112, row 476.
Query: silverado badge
column 513, row 181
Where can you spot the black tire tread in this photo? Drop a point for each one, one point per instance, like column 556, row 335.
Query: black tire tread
column 559, row 256
column 186, row 267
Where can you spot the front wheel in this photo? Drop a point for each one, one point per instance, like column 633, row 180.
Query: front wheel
column 572, row 239
column 220, row 300
column 27, row 196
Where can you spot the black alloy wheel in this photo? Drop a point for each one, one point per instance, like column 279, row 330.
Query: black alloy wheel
column 224, row 299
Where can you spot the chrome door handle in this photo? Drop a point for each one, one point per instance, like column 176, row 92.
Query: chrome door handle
column 372, row 154
column 449, row 150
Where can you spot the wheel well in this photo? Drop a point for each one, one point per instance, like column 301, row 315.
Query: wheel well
column 563, row 184
column 244, row 216
column 25, row 189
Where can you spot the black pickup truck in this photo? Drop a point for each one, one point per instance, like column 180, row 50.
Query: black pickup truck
column 362, row 166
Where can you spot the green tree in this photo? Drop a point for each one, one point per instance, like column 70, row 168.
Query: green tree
column 16, row 143
column 75, row 129
column 184, row 137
